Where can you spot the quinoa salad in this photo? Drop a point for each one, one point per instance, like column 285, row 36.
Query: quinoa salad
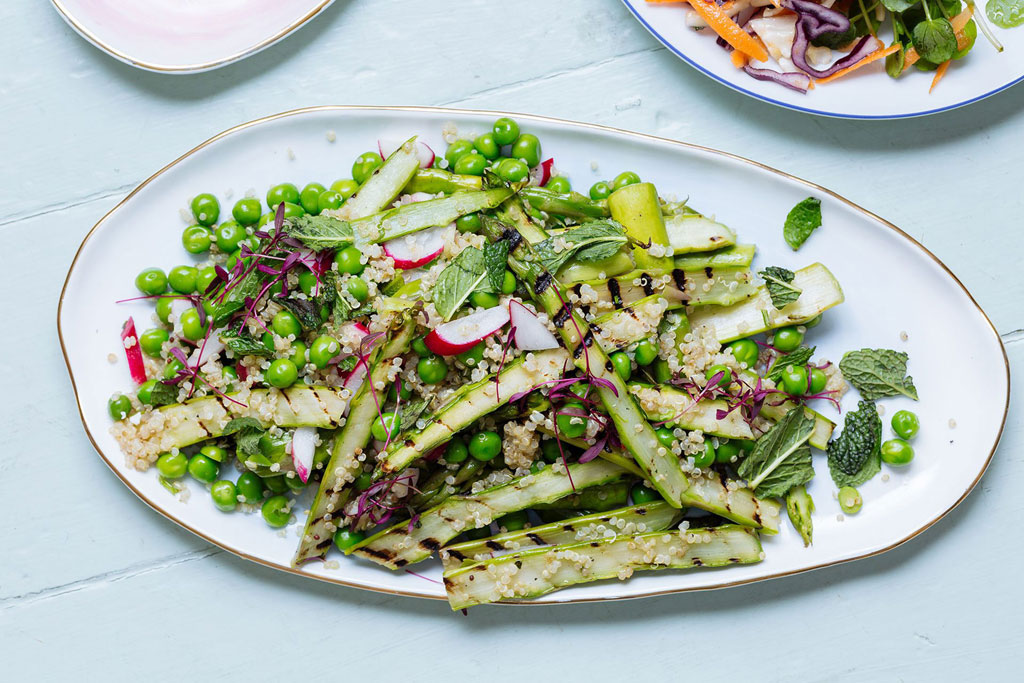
column 461, row 356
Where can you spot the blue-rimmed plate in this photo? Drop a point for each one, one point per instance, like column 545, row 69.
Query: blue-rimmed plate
column 867, row 94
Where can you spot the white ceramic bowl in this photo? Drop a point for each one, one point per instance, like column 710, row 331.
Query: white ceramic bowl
column 892, row 285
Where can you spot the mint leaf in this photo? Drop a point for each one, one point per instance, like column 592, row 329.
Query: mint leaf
column 781, row 459
column 248, row 288
column 248, row 431
column 594, row 241
column 495, row 258
column 410, row 412
column 877, row 373
column 347, row 363
column 778, row 281
column 800, row 356
column 803, row 219
column 321, row 232
column 464, row 275
column 1005, row 13
column 856, row 454
column 307, row 312
column 163, row 394
column 244, row 344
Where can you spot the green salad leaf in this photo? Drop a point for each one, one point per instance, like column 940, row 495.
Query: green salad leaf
column 779, row 281
column 164, row 394
column 321, row 232
column 898, row 6
column 1005, row 13
column 781, row 459
column 877, row 373
column 856, row 454
column 244, row 344
column 465, row 274
column 894, row 63
column 590, row 242
column 800, row 356
column 803, row 219
column 935, row 40
column 247, row 431
column 495, row 258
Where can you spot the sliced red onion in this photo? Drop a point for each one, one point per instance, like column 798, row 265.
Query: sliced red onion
column 814, row 21
column 818, row 19
column 792, row 80
column 864, row 47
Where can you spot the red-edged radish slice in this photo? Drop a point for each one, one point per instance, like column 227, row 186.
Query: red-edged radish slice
column 355, row 378
column 303, row 447
column 528, row 331
column 423, row 152
column 352, row 335
column 417, row 249
column 132, row 350
column 206, row 350
column 241, row 371
column 541, row 173
column 463, row 334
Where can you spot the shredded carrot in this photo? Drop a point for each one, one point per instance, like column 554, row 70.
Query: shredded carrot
column 722, row 24
column 665, row 2
column 874, row 56
column 939, row 73
column 739, row 60
column 958, row 22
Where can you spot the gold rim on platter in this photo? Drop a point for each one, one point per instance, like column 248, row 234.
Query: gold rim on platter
column 546, row 119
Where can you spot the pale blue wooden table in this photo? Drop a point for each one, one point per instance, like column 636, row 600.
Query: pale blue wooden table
column 91, row 580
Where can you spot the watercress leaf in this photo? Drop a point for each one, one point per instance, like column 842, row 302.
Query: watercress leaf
column 836, row 40
column 164, row 394
column 306, row 310
column 321, row 232
column 778, row 281
column 803, row 219
column 971, row 34
column 1005, row 13
column 935, row 40
column 247, row 431
column 495, row 258
column 590, row 242
column 781, row 458
column 898, row 6
column 458, row 280
column 894, row 63
column 244, row 344
column 856, row 454
column 800, row 356
column 877, row 373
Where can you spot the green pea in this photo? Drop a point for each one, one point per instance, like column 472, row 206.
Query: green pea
column 559, row 184
column 431, row 369
column 215, row 453
column 600, row 190
column 471, row 164
column 203, row 468
column 726, row 378
column 164, row 307
column 346, row 538
column 623, row 365
column 665, row 436
column 206, row 209
column 282, row 373
column 152, row 341
column 204, row 278
column 642, row 494
column 172, row 465
column 348, row 260
column 151, row 281
column 250, row 487
column 527, row 148
column 364, row 166
column 537, row 466
column 191, row 327
column 293, row 210
column 549, row 450
column 196, row 239
column 813, row 322
column 787, row 339
column 230, row 376
column 661, row 371
column 625, row 178
column 119, row 407
column 328, row 200
column 744, row 351
column 145, row 391
column 571, row 420
column 246, row 211
column 512, row 170
column 818, row 380
column 468, row 223
column 298, row 355
column 268, row 217
column 514, row 521
column 485, row 446
column 285, row 192
column 905, row 424
column 897, row 452
column 727, row 451
column 225, row 495
column 183, row 279
column 363, row 481
column 487, row 146
column 505, row 131
column 285, row 323
column 346, row 187
column 795, row 380
column 849, row 500
column 268, row 341
column 393, row 392
column 508, row 282
column 294, row 483
column 457, row 150
column 172, row 368
column 276, row 511
column 456, row 452
column 323, row 349
column 229, row 235
column 484, row 299
column 309, row 198
column 308, row 282
column 383, row 426
column 419, row 347
column 472, row 357
column 645, row 353
column 276, row 484
column 705, row 458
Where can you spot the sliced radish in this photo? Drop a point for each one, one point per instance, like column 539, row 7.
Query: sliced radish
column 303, row 447
column 417, row 249
column 206, row 350
column 541, row 173
column 529, row 332
column 241, row 371
column 130, row 342
column 463, row 334
column 414, row 198
column 352, row 334
column 355, row 378
column 425, row 155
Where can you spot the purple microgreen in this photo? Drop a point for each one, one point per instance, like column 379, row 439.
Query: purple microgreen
column 420, row 576
column 594, row 450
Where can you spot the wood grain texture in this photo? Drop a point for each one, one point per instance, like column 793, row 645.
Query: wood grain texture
column 85, row 563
